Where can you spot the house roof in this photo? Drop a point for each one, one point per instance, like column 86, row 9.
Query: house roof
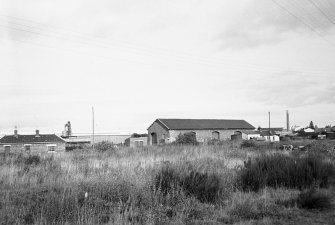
column 266, row 133
column 251, row 132
column 309, row 130
column 204, row 124
column 273, row 129
column 42, row 138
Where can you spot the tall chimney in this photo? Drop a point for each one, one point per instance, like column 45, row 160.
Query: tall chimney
column 287, row 121
column 269, row 121
column 15, row 132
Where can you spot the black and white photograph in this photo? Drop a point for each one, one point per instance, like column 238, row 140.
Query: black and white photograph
column 167, row 112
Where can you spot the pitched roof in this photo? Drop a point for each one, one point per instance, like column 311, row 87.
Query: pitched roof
column 273, row 129
column 251, row 132
column 268, row 133
column 42, row 138
column 204, row 124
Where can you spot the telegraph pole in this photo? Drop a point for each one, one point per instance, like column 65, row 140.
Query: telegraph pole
column 93, row 127
column 287, row 121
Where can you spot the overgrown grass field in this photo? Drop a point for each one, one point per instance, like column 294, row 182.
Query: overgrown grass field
column 223, row 183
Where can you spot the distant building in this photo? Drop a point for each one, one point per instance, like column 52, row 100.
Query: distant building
column 250, row 134
column 138, row 142
column 309, row 130
column 270, row 136
column 114, row 138
column 37, row 143
column 74, row 142
column 297, row 128
column 274, row 130
column 167, row 130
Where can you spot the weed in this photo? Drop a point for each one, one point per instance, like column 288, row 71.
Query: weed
column 248, row 144
column 313, row 199
column 166, row 179
column 187, row 139
column 104, row 146
column 32, row 159
column 278, row 170
column 205, row 187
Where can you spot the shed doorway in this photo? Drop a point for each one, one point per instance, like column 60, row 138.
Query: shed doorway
column 153, row 138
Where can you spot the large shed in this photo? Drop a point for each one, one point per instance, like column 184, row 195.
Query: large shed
column 167, row 130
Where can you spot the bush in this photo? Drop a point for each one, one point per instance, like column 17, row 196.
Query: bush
column 205, row 187
column 246, row 205
column 166, row 180
column 216, row 142
column 32, row 159
column 278, row 170
column 187, row 138
column 21, row 159
column 312, row 199
column 104, row 146
column 248, row 144
column 324, row 147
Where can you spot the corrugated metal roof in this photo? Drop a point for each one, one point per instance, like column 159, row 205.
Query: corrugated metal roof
column 42, row 138
column 204, row 124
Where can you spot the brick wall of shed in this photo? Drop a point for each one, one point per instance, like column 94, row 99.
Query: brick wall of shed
column 133, row 140
column 159, row 130
column 34, row 148
column 203, row 135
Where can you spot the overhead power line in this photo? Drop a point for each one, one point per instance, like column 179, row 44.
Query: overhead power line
column 88, row 40
column 323, row 13
column 303, row 22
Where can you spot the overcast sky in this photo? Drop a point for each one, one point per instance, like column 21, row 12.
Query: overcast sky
column 136, row 61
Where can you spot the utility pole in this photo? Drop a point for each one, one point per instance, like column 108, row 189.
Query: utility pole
column 93, row 127
column 287, row 121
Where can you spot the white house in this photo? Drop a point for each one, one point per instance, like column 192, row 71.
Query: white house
column 309, row 130
column 250, row 134
column 269, row 136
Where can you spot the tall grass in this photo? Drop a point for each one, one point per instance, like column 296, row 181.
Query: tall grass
column 279, row 170
column 152, row 185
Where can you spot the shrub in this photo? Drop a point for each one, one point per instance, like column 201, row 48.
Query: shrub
column 136, row 135
column 312, row 199
column 32, row 159
column 281, row 170
column 104, row 146
column 187, row 138
column 246, row 205
column 324, row 147
column 216, row 142
column 248, row 144
column 205, row 187
column 166, row 180
column 21, row 159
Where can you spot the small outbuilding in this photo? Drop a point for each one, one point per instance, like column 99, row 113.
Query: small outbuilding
column 138, row 142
